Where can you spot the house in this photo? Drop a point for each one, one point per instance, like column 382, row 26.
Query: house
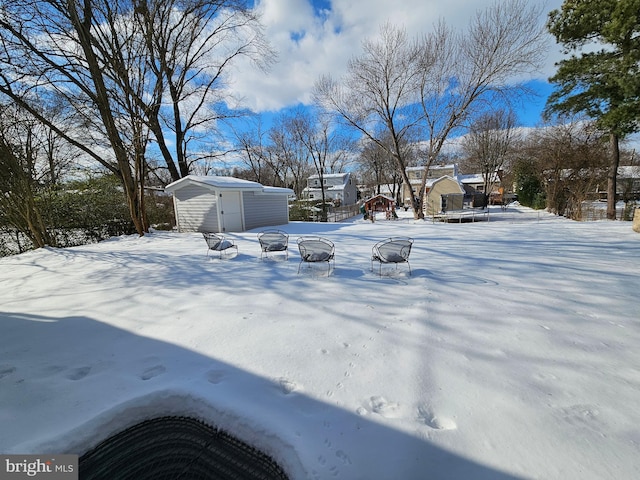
column 628, row 184
column 339, row 188
column 227, row 204
column 415, row 174
column 473, row 184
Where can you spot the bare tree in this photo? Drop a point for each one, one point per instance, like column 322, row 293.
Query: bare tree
column 436, row 83
column 56, row 45
column 288, row 155
column 378, row 96
column 126, row 69
column 251, row 149
column 573, row 158
column 488, row 143
column 189, row 47
column 379, row 168
column 25, row 173
column 327, row 148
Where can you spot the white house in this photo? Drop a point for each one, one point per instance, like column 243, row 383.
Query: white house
column 338, row 187
column 227, row 204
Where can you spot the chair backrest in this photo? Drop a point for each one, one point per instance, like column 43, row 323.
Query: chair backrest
column 394, row 250
column 315, row 249
column 273, row 240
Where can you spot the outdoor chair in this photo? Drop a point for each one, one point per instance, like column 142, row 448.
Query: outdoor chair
column 217, row 243
column 273, row 241
column 392, row 250
column 315, row 250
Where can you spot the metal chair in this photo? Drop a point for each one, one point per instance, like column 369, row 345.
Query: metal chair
column 316, row 250
column 273, row 241
column 217, row 243
column 392, row 250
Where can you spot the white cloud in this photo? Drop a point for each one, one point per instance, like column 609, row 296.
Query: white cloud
column 313, row 40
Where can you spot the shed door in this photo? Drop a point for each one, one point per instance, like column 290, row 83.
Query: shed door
column 231, row 212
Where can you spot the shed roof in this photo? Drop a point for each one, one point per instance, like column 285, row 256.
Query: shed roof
column 216, row 182
column 450, row 180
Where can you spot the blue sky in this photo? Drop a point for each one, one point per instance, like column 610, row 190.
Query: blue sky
column 316, row 37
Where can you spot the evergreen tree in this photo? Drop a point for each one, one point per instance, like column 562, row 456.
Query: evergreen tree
column 602, row 82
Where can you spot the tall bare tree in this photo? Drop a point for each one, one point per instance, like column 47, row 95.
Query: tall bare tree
column 189, row 47
column 379, row 94
column 56, row 45
column 436, row 83
column 126, row 69
column 488, row 143
column 327, row 148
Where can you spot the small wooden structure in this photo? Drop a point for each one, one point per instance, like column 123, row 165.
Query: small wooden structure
column 380, row 203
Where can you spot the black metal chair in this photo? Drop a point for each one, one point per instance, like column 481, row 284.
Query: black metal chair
column 217, row 243
column 316, row 250
column 273, row 241
column 392, row 250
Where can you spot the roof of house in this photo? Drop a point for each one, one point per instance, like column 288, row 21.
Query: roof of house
column 629, row 171
column 471, row 178
column 332, row 175
column 451, row 166
column 228, row 183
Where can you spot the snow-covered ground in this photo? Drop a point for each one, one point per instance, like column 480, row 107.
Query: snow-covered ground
column 512, row 351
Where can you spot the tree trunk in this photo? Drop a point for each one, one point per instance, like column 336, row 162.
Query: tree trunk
column 83, row 27
column 613, row 175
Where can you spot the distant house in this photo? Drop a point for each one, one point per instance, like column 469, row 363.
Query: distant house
column 472, row 185
column 415, row 174
column 473, row 180
column 628, row 184
column 227, row 204
column 339, row 188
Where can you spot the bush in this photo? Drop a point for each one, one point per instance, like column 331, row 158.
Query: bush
column 300, row 212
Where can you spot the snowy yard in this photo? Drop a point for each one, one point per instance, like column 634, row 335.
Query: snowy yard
column 512, row 351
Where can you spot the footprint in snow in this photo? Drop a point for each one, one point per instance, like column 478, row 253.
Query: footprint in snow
column 344, row 457
column 6, row 370
column 382, row 406
column 215, row 376
column 287, row 386
column 78, row 373
column 435, row 421
column 152, row 372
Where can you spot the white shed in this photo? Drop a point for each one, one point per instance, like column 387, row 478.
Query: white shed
column 227, row 204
